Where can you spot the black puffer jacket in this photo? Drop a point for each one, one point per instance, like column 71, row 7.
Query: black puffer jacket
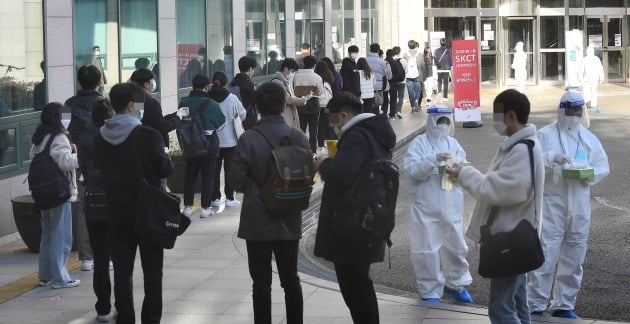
column 353, row 152
column 81, row 108
column 153, row 118
column 249, row 171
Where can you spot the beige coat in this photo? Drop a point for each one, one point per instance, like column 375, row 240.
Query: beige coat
column 61, row 152
column 290, row 113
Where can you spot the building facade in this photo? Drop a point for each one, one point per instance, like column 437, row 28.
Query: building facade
column 44, row 42
column 541, row 26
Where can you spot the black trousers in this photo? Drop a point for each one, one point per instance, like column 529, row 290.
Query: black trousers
column 225, row 155
column 369, row 106
column 259, row 260
column 324, row 130
column 207, row 166
column 101, row 284
column 123, row 255
column 443, row 83
column 385, row 104
column 358, row 292
column 312, row 121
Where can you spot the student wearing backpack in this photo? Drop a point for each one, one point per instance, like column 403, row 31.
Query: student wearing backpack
column 414, row 74
column 443, row 62
column 212, row 118
column 89, row 78
column 243, row 87
column 231, row 108
column 351, row 255
column 56, row 222
column 396, row 84
column 265, row 232
column 307, row 83
column 96, row 212
column 436, row 226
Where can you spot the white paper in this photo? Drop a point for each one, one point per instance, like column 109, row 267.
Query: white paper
column 487, row 26
column 488, row 35
column 617, row 40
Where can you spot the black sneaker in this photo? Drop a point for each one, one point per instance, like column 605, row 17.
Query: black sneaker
column 538, row 313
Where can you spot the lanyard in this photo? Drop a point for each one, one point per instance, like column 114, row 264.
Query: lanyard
column 448, row 143
column 577, row 149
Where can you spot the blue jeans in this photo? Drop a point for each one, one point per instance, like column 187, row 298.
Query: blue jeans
column 56, row 243
column 414, row 89
column 508, row 300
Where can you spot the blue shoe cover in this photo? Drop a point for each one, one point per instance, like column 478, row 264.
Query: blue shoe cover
column 461, row 296
column 562, row 313
column 431, row 300
column 598, row 111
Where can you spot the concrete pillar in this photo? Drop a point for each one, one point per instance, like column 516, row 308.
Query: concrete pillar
column 411, row 22
column 167, row 44
column 59, row 49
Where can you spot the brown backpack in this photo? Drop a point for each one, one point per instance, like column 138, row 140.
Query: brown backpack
column 290, row 183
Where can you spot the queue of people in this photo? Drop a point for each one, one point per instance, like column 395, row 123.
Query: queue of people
column 111, row 133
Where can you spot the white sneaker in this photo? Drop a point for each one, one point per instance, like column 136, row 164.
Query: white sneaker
column 69, row 284
column 187, row 211
column 44, row 283
column 216, row 203
column 206, row 212
column 111, row 265
column 232, row 203
column 87, row 265
column 103, row 318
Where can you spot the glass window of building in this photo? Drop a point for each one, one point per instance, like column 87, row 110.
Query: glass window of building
column 192, row 56
column 552, row 4
column 138, row 36
column 552, row 48
column 576, row 3
column 488, row 4
column 369, row 24
column 23, row 88
column 219, row 33
column 453, row 3
column 488, row 42
column 604, row 3
column 456, row 27
column 552, row 32
column 576, row 22
column 95, row 25
column 265, row 34
column 342, row 28
column 309, row 29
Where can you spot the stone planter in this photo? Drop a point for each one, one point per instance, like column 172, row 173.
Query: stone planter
column 177, row 179
column 27, row 221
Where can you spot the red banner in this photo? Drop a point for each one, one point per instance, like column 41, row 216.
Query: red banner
column 185, row 53
column 466, row 80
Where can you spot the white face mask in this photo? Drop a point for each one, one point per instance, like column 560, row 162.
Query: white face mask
column 569, row 123
column 497, row 123
column 200, row 58
column 443, row 130
column 153, row 85
column 97, row 53
column 354, row 56
column 291, row 76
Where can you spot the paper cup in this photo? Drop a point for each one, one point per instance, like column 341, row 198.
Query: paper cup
column 331, row 145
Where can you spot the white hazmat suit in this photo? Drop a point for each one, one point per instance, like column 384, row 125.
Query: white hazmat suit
column 519, row 65
column 566, row 207
column 592, row 74
column 438, row 249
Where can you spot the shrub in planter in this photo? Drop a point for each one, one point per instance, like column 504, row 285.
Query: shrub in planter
column 177, row 179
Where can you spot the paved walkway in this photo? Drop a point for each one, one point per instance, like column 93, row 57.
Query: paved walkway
column 206, row 280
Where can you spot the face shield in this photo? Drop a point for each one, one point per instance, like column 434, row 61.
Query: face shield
column 570, row 111
column 440, row 122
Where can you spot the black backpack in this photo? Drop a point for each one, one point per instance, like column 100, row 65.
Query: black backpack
column 398, row 72
column 49, row 186
column 290, row 183
column 251, row 117
column 374, row 194
column 190, row 134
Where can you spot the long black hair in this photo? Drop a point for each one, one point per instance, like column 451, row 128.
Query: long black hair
column 50, row 122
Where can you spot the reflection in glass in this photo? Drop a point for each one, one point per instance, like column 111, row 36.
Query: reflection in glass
column 488, row 34
column 489, row 69
column 454, row 3
column 309, row 29
column 614, row 32
column 369, row 24
column 219, row 33
column 265, row 34
column 576, row 3
column 576, row 22
column 138, row 35
column 615, row 65
column 26, row 133
column 488, row 3
column 8, row 152
column 191, row 41
column 342, row 33
column 22, row 82
column 594, row 31
column 457, row 27
column 552, row 66
column 552, row 4
column 604, row 3
column 551, row 32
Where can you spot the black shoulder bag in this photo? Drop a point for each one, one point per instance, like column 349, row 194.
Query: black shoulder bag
column 158, row 217
column 511, row 253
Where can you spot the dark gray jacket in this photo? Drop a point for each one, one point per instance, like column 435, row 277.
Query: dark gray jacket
column 249, row 170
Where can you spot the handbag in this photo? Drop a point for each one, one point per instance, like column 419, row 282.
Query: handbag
column 158, row 217
column 515, row 252
column 238, row 123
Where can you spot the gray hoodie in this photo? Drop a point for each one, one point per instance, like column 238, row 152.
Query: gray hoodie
column 117, row 129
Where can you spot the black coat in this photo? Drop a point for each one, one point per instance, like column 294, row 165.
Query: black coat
column 350, row 75
column 250, row 169
column 153, row 118
column 119, row 168
column 338, row 174
column 247, row 89
column 81, row 108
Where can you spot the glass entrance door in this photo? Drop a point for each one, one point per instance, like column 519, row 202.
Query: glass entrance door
column 604, row 33
column 519, row 29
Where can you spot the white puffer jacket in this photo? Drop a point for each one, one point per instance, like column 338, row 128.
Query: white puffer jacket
column 367, row 85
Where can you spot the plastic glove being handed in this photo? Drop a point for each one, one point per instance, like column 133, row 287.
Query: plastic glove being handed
column 561, row 159
column 182, row 112
column 442, row 156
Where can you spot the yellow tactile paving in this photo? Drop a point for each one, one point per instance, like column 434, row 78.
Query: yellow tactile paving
column 30, row 281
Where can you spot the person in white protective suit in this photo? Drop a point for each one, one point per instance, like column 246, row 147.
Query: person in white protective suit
column 438, row 249
column 592, row 75
column 566, row 208
column 519, row 65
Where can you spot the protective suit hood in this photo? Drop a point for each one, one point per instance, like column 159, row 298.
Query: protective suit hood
column 434, row 113
column 570, row 100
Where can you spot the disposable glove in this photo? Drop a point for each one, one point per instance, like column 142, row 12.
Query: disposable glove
column 182, row 112
column 561, row 159
column 442, row 156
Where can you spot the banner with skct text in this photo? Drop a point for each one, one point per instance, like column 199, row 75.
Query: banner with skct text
column 466, row 80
